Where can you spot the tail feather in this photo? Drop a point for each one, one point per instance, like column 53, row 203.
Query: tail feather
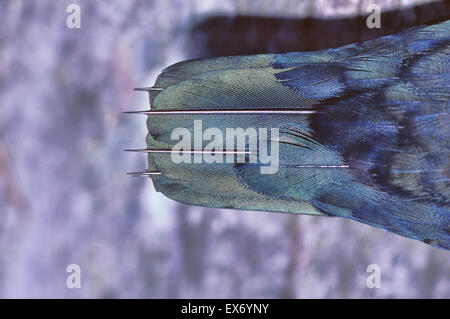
column 375, row 149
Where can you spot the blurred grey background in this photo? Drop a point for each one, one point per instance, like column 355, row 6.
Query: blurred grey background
column 65, row 198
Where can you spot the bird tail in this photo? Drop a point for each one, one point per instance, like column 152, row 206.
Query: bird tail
column 360, row 132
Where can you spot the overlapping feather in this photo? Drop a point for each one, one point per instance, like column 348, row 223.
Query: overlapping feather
column 376, row 148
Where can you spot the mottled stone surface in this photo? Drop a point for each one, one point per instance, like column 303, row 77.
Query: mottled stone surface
column 65, row 198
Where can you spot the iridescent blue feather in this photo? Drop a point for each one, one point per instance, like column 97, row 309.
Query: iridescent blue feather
column 381, row 124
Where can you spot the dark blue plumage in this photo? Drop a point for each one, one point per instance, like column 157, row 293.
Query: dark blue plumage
column 375, row 147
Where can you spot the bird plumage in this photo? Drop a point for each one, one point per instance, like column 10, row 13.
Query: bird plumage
column 374, row 148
